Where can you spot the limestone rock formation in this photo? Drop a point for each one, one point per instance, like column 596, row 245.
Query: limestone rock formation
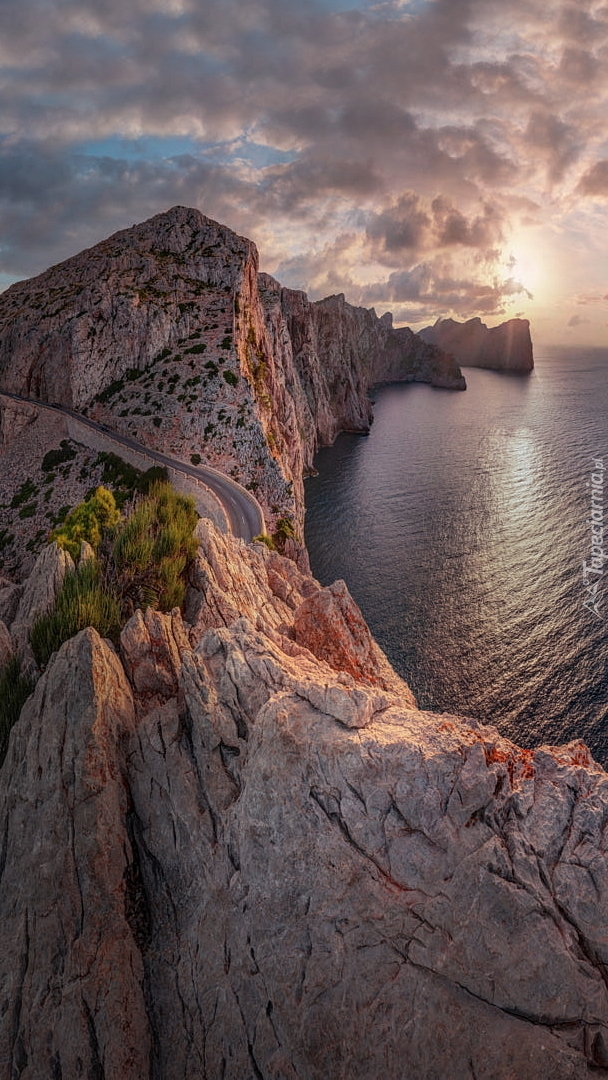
column 39, row 595
column 507, row 347
column 71, row 975
column 168, row 333
column 250, row 856
column 330, row 624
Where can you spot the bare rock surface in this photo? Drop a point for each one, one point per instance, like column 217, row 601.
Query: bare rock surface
column 39, row 596
column 330, row 624
column 260, row 584
column 152, row 645
column 271, row 865
column 71, row 975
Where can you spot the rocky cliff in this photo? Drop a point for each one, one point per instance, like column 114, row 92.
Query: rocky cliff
column 507, row 347
column 235, row 848
column 167, row 332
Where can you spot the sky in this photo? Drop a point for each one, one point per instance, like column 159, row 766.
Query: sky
column 433, row 158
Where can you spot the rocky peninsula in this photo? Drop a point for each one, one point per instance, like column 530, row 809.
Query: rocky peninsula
column 231, row 845
column 507, row 347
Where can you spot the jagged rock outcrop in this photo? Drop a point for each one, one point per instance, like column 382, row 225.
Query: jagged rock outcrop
column 507, row 347
column 71, row 974
column 38, row 597
column 332, row 627
column 152, row 647
column 260, row 860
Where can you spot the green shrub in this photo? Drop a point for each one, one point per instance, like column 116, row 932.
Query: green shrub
column 84, row 599
column 15, row 688
column 57, row 457
column 142, row 562
column 6, row 539
column 110, row 391
column 28, row 511
column 153, row 548
column 87, row 522
column 230, row 377
column 26, row 491
column 284, row 530
column 264, row 538
column 195, row 459
column 125, row 479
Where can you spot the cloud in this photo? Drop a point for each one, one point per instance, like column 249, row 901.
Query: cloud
column 410, row 226
column 594, row 182
column 577, row 320
column 436, row 285
column 400, row 145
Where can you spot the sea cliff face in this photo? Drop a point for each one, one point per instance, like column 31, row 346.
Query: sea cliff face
column 167, row 332
column 507, row 347
column 235, row 847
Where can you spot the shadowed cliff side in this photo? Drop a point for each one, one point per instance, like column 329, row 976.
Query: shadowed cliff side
column 507, row 347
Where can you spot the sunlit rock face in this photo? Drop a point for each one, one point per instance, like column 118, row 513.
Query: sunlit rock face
column 238, row 850
column 507, row 347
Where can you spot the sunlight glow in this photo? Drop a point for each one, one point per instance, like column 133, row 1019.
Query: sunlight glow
column 527, row 265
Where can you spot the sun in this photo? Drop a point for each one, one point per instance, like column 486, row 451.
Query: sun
column 526, row 266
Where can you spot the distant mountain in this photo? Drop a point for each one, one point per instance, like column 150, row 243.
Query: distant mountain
column 507, row 347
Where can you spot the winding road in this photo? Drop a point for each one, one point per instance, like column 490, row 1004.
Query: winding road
column 243, row 511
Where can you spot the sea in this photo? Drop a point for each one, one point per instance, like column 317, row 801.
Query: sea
column 462, row 527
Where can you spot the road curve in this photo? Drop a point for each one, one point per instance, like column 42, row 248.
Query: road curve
column 243, row 511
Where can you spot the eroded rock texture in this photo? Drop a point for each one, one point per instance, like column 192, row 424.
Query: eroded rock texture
column 260, row 860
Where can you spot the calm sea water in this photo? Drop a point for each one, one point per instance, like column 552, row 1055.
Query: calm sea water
column 459, row 525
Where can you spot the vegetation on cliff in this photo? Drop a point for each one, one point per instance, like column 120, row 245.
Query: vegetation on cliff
column 139, row 561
